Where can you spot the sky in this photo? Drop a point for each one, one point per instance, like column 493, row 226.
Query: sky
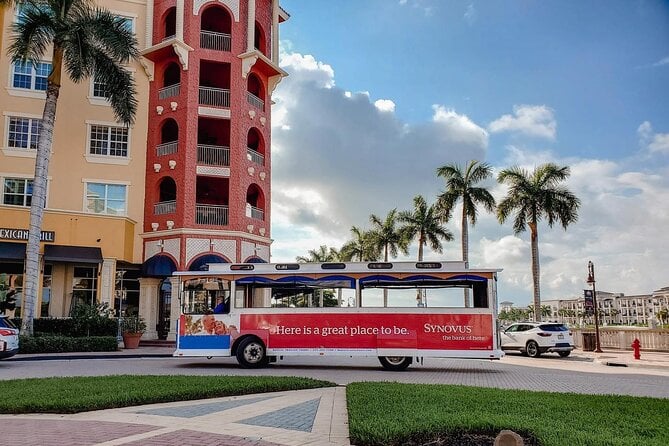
column 380, row 93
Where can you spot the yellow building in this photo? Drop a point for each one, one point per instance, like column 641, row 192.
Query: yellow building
column 95, row 195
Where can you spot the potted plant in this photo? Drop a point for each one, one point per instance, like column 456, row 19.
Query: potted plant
column 132, row 329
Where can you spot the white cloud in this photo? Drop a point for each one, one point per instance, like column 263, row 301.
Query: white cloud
column 470, row 14
column 663, row 61
column 338, row 157
column 654, row 142
column 531, row 120
column 385, row 105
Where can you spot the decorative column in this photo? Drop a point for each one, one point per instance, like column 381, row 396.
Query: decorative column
column 107, row 282
column 149, row 24
column 149, row 288
column 275, row 31
column 180, row 20
column 175, row 309
column 251, row 26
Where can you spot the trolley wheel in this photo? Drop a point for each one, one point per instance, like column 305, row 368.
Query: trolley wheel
column 532, row 349
column 563, row 354
column 395, row 363
column 251, row 353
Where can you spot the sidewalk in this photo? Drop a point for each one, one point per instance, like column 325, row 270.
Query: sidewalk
column 295, row 418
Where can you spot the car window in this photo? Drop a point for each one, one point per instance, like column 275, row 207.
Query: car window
column 524, row 327
column 511, row 329
column 6, row 323
column 553, row 327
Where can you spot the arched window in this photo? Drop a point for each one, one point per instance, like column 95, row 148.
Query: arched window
column 255, row 202
column 215, row 29
column 169, row 137
column 255, row 147
column 259, row 39
column 168, row 190
column 170, row 24
column 171, row 81
column 255, row 91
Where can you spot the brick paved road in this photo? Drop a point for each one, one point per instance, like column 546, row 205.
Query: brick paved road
column 552, row 375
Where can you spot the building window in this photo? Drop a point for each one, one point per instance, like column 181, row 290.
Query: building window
column 105, row 198
column 84, row 286
column 31, row 77
column 17, row 192
column 108, row 140
column 100, row 89
column 23, row 133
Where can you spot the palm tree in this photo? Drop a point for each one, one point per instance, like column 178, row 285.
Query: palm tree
column 390, row 239
column 320, row 255
column 424, row 223
column 86, row 42
column 462, row 185
column 360, row 247
column 533, row 197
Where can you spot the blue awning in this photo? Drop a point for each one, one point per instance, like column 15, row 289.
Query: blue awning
column 382, row 280
column 334, row 281
column 200, row 264
column 158, row 266
column 12, row 251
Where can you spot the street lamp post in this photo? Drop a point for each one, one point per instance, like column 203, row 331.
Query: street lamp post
column 591, row 281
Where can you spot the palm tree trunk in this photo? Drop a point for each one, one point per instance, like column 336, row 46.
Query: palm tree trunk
column 465, row 249
column 535, row 270
column 419, row 291
column 38, row 202
column 385, row 290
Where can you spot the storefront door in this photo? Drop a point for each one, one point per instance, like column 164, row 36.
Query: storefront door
column 164, row 303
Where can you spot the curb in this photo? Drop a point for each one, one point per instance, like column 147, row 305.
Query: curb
column 67, row 357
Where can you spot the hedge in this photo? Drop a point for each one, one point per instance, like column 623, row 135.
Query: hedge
column 73, row 327
column 63, row 344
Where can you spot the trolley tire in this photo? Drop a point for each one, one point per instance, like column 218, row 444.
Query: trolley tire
column 564, row 354
column 532, row 349
column 395, row 363
column 251, row 353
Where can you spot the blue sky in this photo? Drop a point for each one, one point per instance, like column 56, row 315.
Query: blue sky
column 382, row 92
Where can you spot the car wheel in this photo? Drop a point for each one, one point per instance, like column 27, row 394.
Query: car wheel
column 532, row 349
column 395, row 363
column 563, row 354
column 251, row 353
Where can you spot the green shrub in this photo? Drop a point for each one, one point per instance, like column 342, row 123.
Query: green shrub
column 63, row 344
column 86, row 320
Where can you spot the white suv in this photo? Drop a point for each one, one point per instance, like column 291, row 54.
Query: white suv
column 9, row 338
column 534, row 338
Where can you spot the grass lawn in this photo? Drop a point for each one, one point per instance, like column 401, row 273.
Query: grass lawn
column 381, row 413
column 80, row 394
column 414, row 414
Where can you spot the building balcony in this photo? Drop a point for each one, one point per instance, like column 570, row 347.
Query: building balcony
column 255, row 101
column 212, row 40
column 211, row 214
column 255, row 156
column 210, row 155
column 215, row 97
column 254, row 212
column 169, row 92
column 165, row 207
column 167, row 148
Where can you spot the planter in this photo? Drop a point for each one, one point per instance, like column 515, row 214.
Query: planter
column 131, row 340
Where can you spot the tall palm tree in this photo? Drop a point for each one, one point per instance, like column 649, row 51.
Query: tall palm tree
column 86, row 41
column 322, row 254
column 533, row 197
column 360, row 247
column 463, row 185
column 389, row 239
column 424, row 222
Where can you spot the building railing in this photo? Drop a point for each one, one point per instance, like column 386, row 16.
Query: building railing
column 209, row 155
column 167, row 148
column 217, row 97
column 255, row 101
column 169, row 91
column 255, row 156
column 215, row 41
column 254, row 212
column 211, row 214
column 622, row 338
column 165, row 207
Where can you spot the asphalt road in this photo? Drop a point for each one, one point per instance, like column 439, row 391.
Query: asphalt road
column 513, row 372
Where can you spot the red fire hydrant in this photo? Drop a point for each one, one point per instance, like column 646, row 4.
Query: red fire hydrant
column 636, row 346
